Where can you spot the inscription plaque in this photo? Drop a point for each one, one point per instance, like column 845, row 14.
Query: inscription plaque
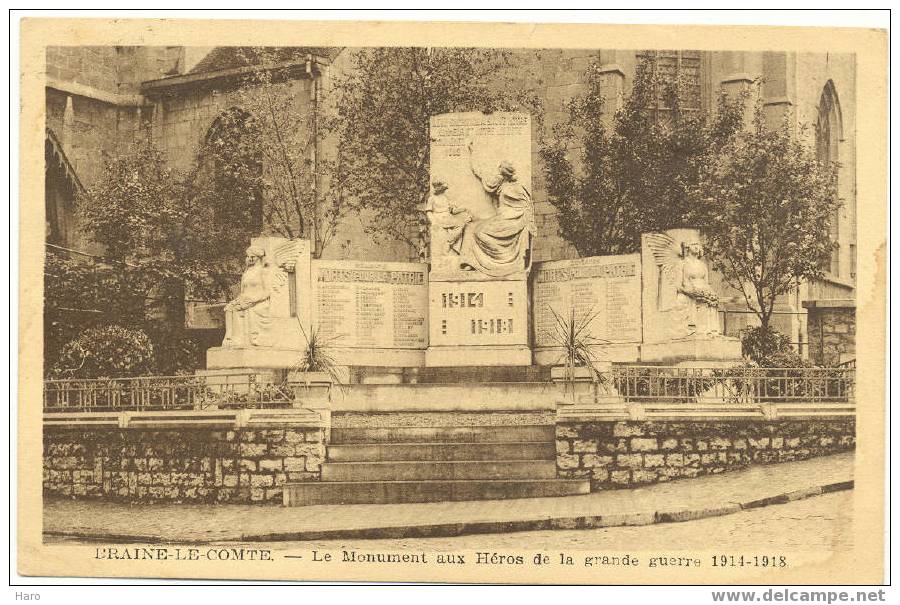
column 478, row 313
column 605, row 288
column 371, row 305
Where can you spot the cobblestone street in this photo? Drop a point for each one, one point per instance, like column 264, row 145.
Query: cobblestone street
column 819, row 523
column 822, row 523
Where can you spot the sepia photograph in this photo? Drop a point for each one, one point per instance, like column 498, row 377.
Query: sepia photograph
column 311, row 302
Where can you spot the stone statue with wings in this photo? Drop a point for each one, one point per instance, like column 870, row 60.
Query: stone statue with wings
column 683, row 285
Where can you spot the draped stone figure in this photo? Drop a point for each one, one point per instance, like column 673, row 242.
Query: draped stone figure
column 247, row 317
column 684, row 290
column 500, row 245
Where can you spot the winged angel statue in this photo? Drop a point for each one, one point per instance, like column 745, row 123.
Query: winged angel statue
column 683, row 290
column 248, row 318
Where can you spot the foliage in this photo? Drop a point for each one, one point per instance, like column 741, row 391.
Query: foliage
column 384, row 104
column 786, row 377
column 767, row 206
column 572, row 333
column 610, row 183
column 672, row 385
column 318, row 355
column 264, row 156
column 160, row 246
column 176, row 353
column 139, row 211
column 762, row 346
column 108, row 352
column 81, row 294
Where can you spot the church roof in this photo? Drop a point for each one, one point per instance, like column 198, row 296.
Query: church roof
column 232, row 57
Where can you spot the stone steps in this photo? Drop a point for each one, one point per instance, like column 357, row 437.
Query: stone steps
column 379, row 452
column 444, row 434
column 406, row 464
column 361, row 374
column 470, row 374
column 383, row 492
column 429, row 470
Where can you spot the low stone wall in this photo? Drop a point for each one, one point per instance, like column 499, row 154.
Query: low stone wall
column 617, row 454
column 183, row 464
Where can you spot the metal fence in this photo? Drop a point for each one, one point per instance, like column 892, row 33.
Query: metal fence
column 148, row 393
column 735, row 385
column 623, row 384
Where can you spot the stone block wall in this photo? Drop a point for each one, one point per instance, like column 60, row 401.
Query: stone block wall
column 623, row 454
column 555, row 76
column 831, row 327
column 180, row 465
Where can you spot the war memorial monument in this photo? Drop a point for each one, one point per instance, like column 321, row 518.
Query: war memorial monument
column 478, row 374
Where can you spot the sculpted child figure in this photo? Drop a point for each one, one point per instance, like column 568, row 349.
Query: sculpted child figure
column 447, row 222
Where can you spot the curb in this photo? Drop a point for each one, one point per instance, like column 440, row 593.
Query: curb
column 449, row 530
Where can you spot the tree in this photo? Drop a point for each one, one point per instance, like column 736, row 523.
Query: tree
column 384, row 104
column 767, row 204
column 81, row 294
column 158, row 243
column 107, row 352
column 265, row 153
column 610, row 184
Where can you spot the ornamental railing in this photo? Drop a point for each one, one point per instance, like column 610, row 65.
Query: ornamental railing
column 153, row 393
column 736, row 385
column 619, row 384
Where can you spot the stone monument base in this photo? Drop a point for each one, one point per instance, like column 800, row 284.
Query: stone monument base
column 478, row 355
column 714, row 350
column 224, row 358
column 218, row 358
column 390, row 358
column 617, row 353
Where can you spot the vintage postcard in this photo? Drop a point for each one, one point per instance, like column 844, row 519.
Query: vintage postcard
column 446, row 302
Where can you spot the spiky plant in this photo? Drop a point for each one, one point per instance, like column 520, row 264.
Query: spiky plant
column 318, row 355
column 572, row 333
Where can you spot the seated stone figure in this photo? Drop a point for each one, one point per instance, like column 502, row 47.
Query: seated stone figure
column 500, row 245
column 247, row 317
column 683, row 291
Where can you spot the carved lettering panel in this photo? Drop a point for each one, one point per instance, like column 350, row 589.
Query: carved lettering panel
column 478, row 313
column 371, row 305
column 603, row 291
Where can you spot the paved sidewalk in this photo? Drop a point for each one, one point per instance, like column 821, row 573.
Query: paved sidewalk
column 660, row 503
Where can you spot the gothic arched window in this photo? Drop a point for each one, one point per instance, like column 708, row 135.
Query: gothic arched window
column 61, row 186
column 829, row 132
column 232, row 164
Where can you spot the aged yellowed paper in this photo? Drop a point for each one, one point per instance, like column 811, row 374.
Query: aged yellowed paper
column 451, row 302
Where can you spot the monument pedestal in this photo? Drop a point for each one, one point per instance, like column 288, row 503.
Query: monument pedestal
column 508, row 355
column 478, row 322
column 224, row 358
column 704, row 350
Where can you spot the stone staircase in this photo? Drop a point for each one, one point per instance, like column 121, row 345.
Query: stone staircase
column 433, row 464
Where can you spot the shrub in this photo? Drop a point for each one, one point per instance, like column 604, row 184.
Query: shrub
column 662, row 385
column 108, row 352
column 768, row 347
